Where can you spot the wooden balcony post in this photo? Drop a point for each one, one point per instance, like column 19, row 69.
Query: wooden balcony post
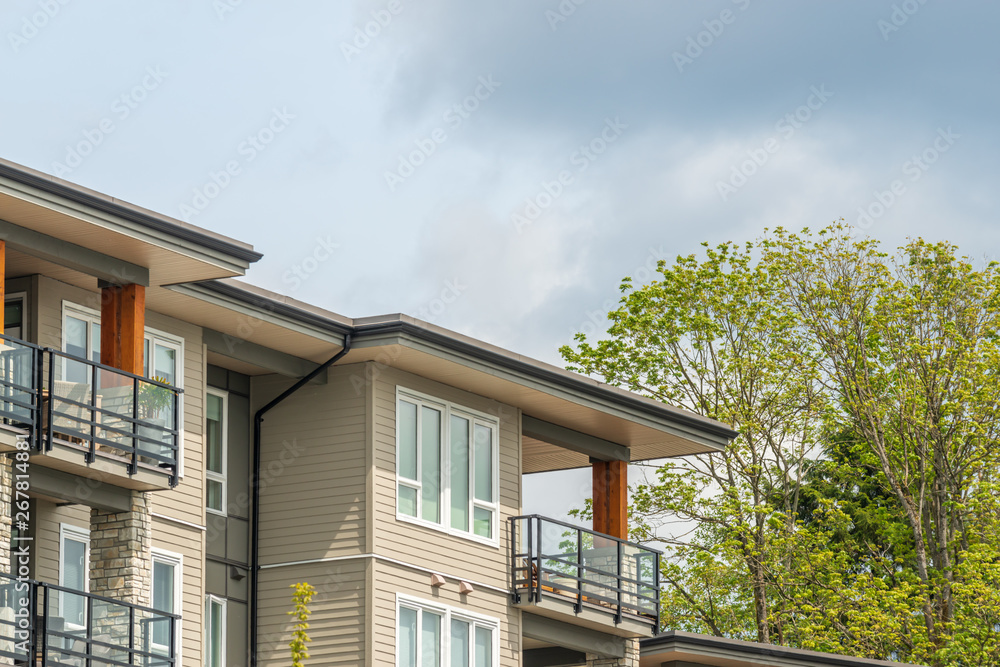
column 611, row 497
column 123, row 322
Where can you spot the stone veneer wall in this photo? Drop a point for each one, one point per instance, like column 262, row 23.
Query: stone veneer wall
column 120, row 566
column 631, row 658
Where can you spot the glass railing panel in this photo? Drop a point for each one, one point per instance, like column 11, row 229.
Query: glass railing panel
column 109, row 633
column 157, row 406
column 154, row 633
column 114, row 404
column 13, row 640
column 559, row 558
column 601, row 571
column 18, row 383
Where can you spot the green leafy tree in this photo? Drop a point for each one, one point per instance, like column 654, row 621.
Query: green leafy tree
column 856, row 512
column 711, row 336
column 910, row 361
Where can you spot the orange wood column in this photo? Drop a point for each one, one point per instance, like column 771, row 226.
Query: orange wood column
column 611, row 498
column 3, row 283
column 123, row 323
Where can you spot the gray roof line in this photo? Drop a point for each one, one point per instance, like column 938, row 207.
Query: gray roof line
column 390, row 324
column 677, row 639
column 134, row 214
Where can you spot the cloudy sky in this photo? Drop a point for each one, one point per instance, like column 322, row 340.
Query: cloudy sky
column 498, row 167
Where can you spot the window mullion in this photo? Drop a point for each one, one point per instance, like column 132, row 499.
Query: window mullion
column 444, row 449
column 419, row 439
column 472, row 476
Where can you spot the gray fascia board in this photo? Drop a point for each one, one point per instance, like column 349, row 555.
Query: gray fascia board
column 733, row 649
column 78, row 258
column 258, row 355
column 571, row 636
column 594, row 447
column 707, row 436
column 275, row 306
column 126, row 220
column 263, row 312
column 79, row 490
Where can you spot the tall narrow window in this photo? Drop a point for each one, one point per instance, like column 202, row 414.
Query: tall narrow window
column 215, row 632
column 215, row 451
column 81, row 339
column 430, row 459
column 459, row 464
column 446, row 466
column 74, row 566
column 485, row 505
column 409, row 483
column 484, row 647
column 459, row 643
column 165, row 598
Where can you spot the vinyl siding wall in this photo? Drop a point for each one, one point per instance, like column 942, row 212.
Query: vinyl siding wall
column 425, row 546
column 337, row 623
column 312, row 469
column 189, row 543
column 46, row 550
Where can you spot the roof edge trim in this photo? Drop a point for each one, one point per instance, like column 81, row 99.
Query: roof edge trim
column 164, row 224
column 737, row 648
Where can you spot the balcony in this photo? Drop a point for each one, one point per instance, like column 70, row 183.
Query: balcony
column 584, row 578
column 85, row 417
column 42, row 624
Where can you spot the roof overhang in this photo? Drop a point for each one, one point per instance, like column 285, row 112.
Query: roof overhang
column 686, row 648
column 649, row 429
column 567, row 418
column 172, row 251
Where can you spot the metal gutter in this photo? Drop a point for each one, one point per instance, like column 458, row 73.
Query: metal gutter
column 734, row 649
column 148, row 220
column 272, row 306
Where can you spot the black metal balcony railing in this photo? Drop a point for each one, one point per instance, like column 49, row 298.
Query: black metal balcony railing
column 102, row 412
column 604, row 573
column 53, row 626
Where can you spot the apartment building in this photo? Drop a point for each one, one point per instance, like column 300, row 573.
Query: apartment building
column 179, row 448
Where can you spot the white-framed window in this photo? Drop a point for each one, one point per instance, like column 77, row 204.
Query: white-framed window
column 167, row 573
column 74, row 573
column 81, row 337
column 446, row 466
column 216, row 449
column 429, row 634
column 215, row 631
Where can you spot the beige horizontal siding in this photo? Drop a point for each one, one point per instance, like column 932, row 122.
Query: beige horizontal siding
column 46, row 549
column 189, row 543
column 392, row 579
column 426, row 546
column 337, row 623
column 312, row 469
